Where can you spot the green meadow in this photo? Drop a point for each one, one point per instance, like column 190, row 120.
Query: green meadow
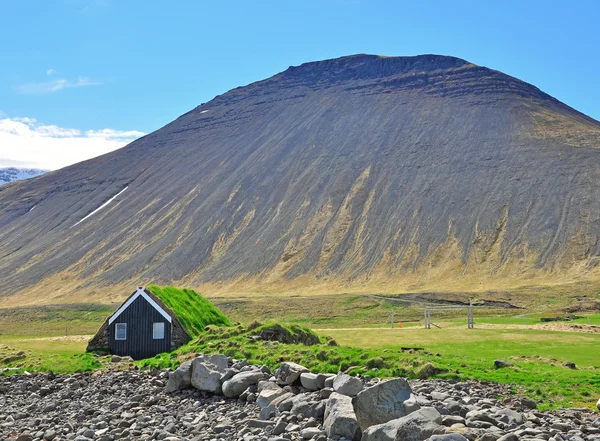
column 54, row 338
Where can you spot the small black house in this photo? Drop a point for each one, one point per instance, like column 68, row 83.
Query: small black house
column 142, row 327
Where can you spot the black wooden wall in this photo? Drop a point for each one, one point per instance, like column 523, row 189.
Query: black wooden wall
column 139, row 316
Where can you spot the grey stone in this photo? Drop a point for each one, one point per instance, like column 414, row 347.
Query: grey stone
column 510, row 416
column 207, row 371
column 289, row 372
column 346, row 385
column 258, row 423
column 439, row 396
column 450, row 420
column 386, row 401
column 321, row 378
column 310, row 409
column 340, row 419
column 181, row 378
column 509, row 437
column 417, row 426
column 310, row 433
column 309, row 381
column 268, row 392
column 49, row 435
column 448, row 437
column 498, row 364
column 240, row 382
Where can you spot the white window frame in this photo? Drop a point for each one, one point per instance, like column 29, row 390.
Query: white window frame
column 154, row 329
column 117, row 325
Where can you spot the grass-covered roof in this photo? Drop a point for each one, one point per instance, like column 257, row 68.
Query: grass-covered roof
column 194, row 311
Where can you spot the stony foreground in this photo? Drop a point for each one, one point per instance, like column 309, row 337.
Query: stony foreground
column 136, row 405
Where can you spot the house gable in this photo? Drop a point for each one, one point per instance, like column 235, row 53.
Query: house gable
column 141, row 292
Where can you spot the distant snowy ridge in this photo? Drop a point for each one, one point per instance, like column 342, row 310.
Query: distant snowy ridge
column 9, row 174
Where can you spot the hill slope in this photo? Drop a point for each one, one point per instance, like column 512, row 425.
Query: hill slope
column 363, row 171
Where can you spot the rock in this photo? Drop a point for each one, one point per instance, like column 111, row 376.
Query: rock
column 387, row 400
column 240, row 382
column 509, row 437
column 310, row 432
column 49, row 435
column 340, row 419
column 268, row 393
column 346, row 385
column 439, row 396
column 310, row 409
column 448, row 437
column 181, row 378
column 310, row 381
column 417, row 426
column 288, row 372
column 598, row 404
column 450, row 420
column 499, row 364
column 321, row 378
column 570, row 365
column 510, row 416
column 428, row 371
column 269, row 412
column 528, row 403
column 328, row 382
column 24, row 437
column 207, row 371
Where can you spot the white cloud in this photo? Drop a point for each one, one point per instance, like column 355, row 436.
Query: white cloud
column 50, row 72
column 25, row 142
column 55, row 85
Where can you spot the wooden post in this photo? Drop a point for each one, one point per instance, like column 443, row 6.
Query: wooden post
column 470, row 319
column 392, row 320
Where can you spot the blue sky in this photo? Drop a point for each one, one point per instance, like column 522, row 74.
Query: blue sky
column 122, row 67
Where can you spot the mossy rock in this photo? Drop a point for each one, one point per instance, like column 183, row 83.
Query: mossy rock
column 429, row 370
column 290, row 335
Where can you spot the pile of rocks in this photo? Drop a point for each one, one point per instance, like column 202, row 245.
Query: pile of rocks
column 217, row 398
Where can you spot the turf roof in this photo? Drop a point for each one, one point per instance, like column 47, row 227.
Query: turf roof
column 194, row 311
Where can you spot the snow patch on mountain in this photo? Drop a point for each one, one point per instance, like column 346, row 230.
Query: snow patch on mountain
column 10, row 174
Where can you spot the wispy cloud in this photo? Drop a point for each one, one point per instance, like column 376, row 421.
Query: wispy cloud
column 28, row 143
column 53, row 86
column 50, row 72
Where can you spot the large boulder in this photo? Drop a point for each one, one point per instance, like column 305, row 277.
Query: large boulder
column 346, row 385
column 386, row 401
column 240, row 382
column 289, row 372
column 417, row 426
column 310, row 381
column 598, row 404
column 181, row 378
column 207, row 371
column 267, row 393
column 309, row 408
column 340, row 419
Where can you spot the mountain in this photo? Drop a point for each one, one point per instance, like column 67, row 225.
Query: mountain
column 10, row 174
column 362, row 173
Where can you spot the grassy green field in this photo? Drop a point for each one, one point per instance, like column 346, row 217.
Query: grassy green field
column 34, row 339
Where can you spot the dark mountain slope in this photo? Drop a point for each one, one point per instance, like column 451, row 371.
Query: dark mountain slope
column 364, row 169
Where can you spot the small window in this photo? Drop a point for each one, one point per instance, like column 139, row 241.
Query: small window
column 121, row 331
column 158, row 331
